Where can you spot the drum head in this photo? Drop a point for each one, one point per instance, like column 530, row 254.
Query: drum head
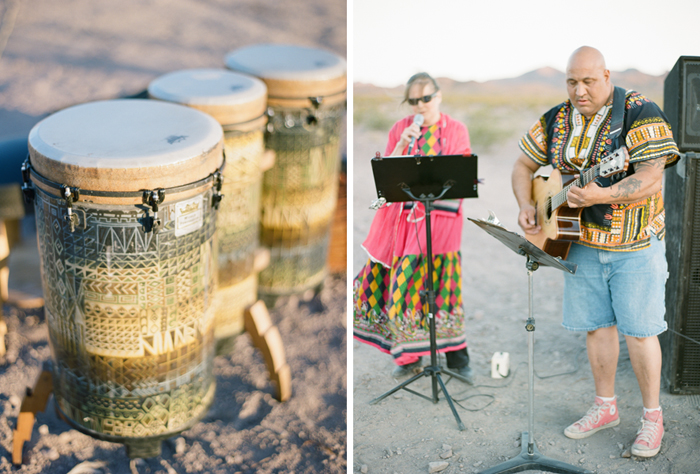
column 292, row 72
column 126, row 145
column 228, row 96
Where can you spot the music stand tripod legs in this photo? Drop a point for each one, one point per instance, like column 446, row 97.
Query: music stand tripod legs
column 434, row 370
column 530, row 458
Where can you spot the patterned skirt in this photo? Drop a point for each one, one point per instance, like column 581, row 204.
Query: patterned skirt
column 388, row 312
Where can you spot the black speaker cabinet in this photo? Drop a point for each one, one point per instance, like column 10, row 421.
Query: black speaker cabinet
column 681, row 355
column 682, row 102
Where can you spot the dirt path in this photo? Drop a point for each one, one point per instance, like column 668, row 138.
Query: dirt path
column 404, row 433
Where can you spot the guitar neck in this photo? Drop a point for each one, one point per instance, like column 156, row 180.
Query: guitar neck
column 586, row 177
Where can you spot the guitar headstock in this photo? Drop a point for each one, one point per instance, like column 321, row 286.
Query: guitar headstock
column 614, row 163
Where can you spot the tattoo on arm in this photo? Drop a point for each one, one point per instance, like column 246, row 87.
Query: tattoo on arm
column 657, row 164
column 627, row 187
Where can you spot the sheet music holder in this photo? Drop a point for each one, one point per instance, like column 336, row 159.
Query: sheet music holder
column 426, row 179
column 518, row 244
column 425, row 175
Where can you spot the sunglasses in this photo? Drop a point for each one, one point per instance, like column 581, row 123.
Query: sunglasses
column 425, row 99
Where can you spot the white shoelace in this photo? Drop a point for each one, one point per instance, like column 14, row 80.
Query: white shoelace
column 592, row 416
column 648, row 432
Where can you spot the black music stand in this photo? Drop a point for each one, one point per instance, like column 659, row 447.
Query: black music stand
column 529, row 458
column 426, row 179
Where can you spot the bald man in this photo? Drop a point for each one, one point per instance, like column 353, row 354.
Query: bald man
column 620, row 282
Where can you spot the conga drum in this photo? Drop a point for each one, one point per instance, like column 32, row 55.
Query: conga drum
column 238, row 102
column 125, row 196
column 306, row 98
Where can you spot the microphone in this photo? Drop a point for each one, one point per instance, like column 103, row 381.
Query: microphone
column 418, row 120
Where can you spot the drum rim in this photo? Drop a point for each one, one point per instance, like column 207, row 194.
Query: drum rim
column 156, row 90
column 33, row 173
column 234, row 63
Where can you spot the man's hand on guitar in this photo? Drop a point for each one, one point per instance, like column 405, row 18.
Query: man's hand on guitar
column 527, row 221
column 587, row 196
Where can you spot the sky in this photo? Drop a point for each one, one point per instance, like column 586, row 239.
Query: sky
column 494, row 39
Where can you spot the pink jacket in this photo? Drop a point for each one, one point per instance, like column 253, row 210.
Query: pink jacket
column 391, row 235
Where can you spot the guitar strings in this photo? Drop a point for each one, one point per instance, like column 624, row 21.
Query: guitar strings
column 546, row 206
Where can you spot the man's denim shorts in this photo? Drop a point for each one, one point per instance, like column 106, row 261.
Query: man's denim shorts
column 626, row 289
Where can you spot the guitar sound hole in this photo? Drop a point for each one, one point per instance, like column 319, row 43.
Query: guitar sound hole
column 548, row 209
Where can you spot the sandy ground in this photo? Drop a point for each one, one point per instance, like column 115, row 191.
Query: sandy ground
column 405, row 433
column 61, row 54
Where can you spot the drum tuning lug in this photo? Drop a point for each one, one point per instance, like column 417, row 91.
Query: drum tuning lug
column 70, row 195
column 29, row 193
column 153, row 198
column 27, row 188
column 270, row 112
column 151, row 223
column 218, row 180
column 289, row 121
column 316, row 101
column 311, row 120
column 216, row 195
column 216, row 199
column 157, row 225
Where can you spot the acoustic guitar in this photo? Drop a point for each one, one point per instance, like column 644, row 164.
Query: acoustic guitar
column 561, row 225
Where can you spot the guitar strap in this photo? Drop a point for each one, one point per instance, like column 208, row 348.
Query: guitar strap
column 618, row 117
column 616, row 136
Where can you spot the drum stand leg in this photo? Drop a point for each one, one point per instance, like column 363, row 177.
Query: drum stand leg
column 530, row 457
column 266, row 337
column 34, row 401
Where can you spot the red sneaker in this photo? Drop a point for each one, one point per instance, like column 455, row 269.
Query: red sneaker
column 648, row 442
column 600, row 416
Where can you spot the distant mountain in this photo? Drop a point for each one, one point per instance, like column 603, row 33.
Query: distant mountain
column 546, row 80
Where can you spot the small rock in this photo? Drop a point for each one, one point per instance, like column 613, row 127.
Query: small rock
column 446, row 447
column 477, row 464
column 446, row 454
column 627, row 453
column 437, row 466
column 581, row 461
column 364, row 469
column 398, row 451
column 612, row 456
column 52, row 454
column 43, row 430
column 620, row 445
column 180, row 445
column 89, row 467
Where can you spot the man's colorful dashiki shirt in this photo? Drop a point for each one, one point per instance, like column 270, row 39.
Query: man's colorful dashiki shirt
column 567, row 140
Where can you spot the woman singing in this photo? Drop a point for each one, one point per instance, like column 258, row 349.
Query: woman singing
column 388, row 313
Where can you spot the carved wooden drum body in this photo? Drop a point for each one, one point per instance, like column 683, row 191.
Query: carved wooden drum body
column 125, row 193
column 306, row 99
column 238, row 102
